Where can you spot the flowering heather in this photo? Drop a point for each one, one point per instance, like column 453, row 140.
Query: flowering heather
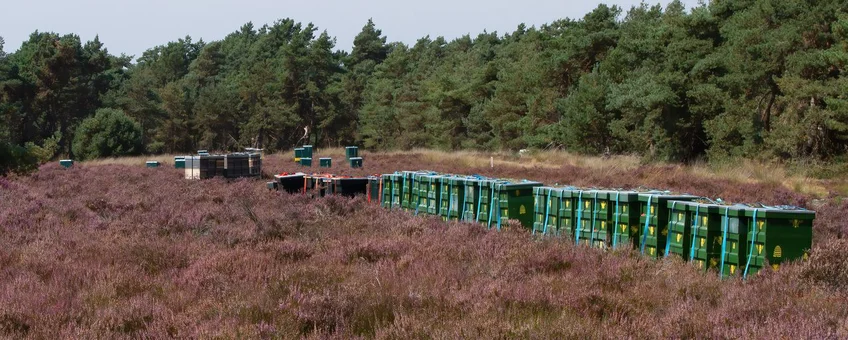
column 121, row 251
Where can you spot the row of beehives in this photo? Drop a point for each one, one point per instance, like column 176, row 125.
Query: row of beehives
column 234, row 165
column 734, row 240
column 737, row 239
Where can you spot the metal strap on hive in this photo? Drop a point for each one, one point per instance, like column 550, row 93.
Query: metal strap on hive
column 668, row 229
column 751, row 248
column 647, row 223
column 615, row 226
column 724, row 241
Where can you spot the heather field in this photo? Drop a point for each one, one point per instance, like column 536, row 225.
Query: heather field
column 111, row 249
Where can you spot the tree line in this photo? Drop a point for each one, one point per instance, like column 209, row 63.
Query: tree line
column 732, row 78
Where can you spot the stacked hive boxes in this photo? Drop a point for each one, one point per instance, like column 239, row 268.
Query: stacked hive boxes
column 320, row 185
column 233, row 165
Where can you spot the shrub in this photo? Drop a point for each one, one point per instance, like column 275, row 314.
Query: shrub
column 16, row 159
column 45, row 152
column 109, row 133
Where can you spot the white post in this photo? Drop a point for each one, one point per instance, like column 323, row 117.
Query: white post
column 492, row 161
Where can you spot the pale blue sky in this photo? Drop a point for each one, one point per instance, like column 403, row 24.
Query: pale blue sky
column 131, row 27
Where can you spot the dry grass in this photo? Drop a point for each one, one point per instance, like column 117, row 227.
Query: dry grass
column 132, row 161
column 535, row 159
column 742, row 171
column 747, row 171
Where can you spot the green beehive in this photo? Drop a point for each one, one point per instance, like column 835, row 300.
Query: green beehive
column 653, row 219
column 705, row 240
column 592, row 215
column 580, row 223
column 777, row 235
column 356, row 162
column 179, row 162
column 428, row 194
column 733, row 240
column 486, row 200
column 298, row 154
column 386, row 191
column 397, row 191
column 66, row 163
column 718, row 236
column 152, row 164
column 550, row 211
column 325, row 162
column 472, row 198
column 307, row 151
column 423, row 185
column 392, row 188
column 452, row 194
column 351, row 151
column 407, row 189
column 624, row 219
column 514, row 201
column 410, row 189
column 679, row 237
column 374, row 186
column 306, row 161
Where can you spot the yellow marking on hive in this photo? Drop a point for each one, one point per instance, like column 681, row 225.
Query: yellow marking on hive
column 652, row 251
column 567, row 204
column 806, row 256
column 796, row 223
column 603, row 205
column 603, row 225
column 732, row 269
column 679, row 217
column 634, row 229
column 522, row 210
column 700, row 264
column 623, row 228
column 679, row 237
column 653, row 208
column 586, row 204
column 624, row 209
column 760, row 225
column 776, row 267
column 733, row 245
column 759, row 249
column 664, row 232
column 713, row 262
column 651, row 231
column 704, row 220
column 703, row 240
column 778, row 252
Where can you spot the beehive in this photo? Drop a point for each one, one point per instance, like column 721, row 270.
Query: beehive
column 653, row 220
column 351, row 152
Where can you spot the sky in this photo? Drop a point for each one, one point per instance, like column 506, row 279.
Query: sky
column 131, row 27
